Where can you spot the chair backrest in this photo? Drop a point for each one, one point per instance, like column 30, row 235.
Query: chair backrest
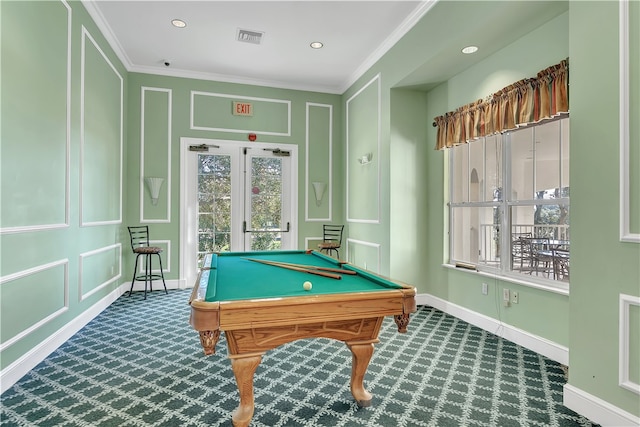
column 139, row 236
column 332, row 233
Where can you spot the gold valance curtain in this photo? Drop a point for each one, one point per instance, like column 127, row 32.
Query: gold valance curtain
column 526, row 101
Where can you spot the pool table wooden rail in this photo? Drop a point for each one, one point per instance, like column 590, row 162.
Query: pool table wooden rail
column 255, row 326
column 272, row 312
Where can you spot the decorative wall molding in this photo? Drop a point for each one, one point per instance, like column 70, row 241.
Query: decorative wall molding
column 376, row 220
column 32, row 228
column 625, row 329
column 337, row 89
column 166, row 258
column 195, row 93
column 376, row 246
column 116, row 275
column 12, row 373
column 31, row 271
column 167, row 177
column 393, row 38
column 626, row 235
column 309, row 239
column 67, row 198
column 328, row 195
column 87, row 36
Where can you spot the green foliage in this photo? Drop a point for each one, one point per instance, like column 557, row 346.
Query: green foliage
column 266, row 202
column 214, row 203
column 552, row 214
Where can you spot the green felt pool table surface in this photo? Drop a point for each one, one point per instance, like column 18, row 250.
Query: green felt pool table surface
column 260, row 307
column 230, row 276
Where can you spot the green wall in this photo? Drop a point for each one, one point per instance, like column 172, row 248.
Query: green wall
column 521, row 59
column 178, row 107
column 63, row 171
column 71, row 187
column 584, row 320
column 409, row 198
column 603, row 267
column 79, row 132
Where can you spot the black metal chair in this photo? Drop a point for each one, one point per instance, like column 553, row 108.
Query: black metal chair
column 140, row 246
column 331, row 239
column 521, row 255
column 561, row 259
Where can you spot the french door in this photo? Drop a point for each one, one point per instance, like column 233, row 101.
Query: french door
column 236, row 197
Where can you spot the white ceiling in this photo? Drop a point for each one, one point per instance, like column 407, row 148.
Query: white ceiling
column 355, row 34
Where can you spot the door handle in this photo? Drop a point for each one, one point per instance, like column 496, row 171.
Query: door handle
column 245, row 230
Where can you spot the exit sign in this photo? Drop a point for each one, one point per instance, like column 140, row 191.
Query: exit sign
column 242, row 108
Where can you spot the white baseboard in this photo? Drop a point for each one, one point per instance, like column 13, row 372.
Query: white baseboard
column 592, row 407
column 12, row 373
column 589, row 406
column 547, row 348
column 596, row 409
column 157, row 285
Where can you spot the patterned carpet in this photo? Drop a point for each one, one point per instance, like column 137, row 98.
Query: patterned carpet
column 139, row 363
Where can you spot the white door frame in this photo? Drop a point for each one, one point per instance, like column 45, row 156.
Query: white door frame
column 262, row 151
column 187, row 214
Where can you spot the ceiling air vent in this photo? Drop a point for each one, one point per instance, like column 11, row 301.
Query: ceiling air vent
column 249, row 36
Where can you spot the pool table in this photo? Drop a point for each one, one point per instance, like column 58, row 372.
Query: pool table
column 261, row 306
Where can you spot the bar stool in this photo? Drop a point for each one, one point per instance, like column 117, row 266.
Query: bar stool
column 140, row 246
column 331, row 239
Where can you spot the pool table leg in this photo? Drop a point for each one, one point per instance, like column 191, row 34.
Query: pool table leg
column 208, row 340
column 362, row 352
column 402, row 321
column 244, row 367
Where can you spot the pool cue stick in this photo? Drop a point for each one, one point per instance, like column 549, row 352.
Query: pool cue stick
column 315, row 267
column 302, row 270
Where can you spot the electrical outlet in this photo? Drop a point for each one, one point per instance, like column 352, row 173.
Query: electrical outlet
column 485, row 289
column 506, row 297
column 515, row 297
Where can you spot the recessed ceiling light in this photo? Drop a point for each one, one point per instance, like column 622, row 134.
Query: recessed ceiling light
column 470, row 49
column 178, row 23
column 316, row 45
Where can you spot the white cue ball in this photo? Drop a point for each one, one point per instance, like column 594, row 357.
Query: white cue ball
column 307, row 286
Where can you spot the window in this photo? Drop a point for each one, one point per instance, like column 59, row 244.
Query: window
column 509, row 202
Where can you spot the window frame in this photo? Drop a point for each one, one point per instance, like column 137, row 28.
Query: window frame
column 504, row 206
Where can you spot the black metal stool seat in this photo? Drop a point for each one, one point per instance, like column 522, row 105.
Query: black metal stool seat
column 140, row 247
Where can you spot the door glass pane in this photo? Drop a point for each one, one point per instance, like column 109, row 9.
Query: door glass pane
column 266, row 203
column 214, row 203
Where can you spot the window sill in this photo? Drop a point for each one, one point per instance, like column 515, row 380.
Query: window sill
column 549, row 286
